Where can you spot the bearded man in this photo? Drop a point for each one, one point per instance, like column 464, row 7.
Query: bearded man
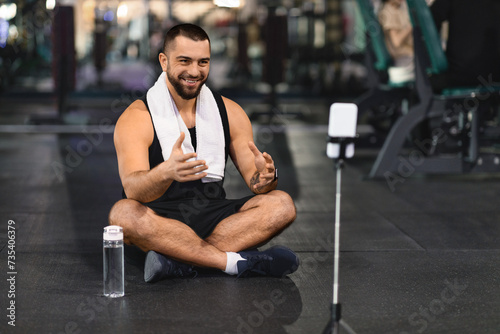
column 172, row 148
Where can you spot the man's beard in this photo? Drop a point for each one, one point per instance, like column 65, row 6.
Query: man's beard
column 183, row 91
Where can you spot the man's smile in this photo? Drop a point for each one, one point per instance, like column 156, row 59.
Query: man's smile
column 190, row 82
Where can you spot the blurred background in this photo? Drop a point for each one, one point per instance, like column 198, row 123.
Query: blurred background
column 74, row 61
column 69, row 68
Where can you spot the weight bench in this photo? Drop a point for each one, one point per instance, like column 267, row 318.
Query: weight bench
column 452, row 116
column 383, row 98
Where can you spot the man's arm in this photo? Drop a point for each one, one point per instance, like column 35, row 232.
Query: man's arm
column 256, row 168
column 133, row 135
column 398, row 36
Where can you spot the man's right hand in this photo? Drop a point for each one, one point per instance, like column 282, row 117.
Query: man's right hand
column 179, row 168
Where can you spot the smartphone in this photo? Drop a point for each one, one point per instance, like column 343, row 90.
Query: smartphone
column 342, row 124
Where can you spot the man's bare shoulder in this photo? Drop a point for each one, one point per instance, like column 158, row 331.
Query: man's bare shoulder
column 135, row 122
column 135, row 111
column 235, row 113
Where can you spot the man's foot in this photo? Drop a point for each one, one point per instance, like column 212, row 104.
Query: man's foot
column 277, row 261
column 158, row 267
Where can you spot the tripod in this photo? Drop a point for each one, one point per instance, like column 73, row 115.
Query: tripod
column 333, row 326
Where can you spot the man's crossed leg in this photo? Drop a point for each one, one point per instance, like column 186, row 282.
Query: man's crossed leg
column 173, row 247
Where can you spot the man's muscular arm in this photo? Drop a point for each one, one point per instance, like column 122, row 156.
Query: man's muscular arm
column 133, row 135
column 256, row 168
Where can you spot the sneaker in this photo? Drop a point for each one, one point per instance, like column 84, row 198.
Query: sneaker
column 277, row 261
column 158, row 267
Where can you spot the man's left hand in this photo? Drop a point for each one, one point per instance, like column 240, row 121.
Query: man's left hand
column 265, row 168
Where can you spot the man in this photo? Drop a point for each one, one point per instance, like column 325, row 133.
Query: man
column 396, row 24
column 175, row 207
column 473, row 43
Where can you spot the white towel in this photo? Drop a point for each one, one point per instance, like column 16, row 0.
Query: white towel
column 168, row 125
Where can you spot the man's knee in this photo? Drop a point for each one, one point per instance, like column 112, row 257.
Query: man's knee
column 125, row 211
column 132, row 217
column 285, row 205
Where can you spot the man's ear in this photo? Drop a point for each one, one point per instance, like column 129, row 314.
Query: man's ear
column 163, row 59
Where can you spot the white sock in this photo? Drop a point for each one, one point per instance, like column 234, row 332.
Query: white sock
column 232, row 260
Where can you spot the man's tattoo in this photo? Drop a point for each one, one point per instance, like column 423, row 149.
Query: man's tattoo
column 254, row 180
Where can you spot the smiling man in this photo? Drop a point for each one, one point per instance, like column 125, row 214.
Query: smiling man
column 172, row 148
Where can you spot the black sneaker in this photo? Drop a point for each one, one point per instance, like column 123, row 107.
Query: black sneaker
column 158, row 267
column 277, row 261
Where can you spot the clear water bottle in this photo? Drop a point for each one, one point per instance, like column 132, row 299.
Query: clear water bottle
column 113, row 279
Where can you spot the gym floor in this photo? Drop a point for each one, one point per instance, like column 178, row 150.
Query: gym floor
column 418, row 255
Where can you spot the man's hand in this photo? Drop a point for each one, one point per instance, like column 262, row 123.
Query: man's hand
column 265, row 169
column 179, row 168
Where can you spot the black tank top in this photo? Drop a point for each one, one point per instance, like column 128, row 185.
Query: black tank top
column 193, row 189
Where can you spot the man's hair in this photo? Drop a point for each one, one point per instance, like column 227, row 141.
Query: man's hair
column 188, row 30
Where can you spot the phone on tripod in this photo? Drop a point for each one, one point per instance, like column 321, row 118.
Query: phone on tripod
column 342, row 127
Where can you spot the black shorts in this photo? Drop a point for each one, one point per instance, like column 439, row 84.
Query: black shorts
column 201, row 215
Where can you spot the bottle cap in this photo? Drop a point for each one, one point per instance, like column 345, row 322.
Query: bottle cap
column 113, row 233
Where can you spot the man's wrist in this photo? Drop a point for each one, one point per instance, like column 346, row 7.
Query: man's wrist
column 275, row 175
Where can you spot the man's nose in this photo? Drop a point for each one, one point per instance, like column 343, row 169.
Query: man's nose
column 193, row 70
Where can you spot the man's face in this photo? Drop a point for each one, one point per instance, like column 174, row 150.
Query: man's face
column 187, row 66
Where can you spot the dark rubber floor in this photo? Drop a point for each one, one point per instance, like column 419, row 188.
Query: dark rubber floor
column 420, row 257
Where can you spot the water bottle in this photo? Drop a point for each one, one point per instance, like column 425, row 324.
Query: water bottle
column 113, row 279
